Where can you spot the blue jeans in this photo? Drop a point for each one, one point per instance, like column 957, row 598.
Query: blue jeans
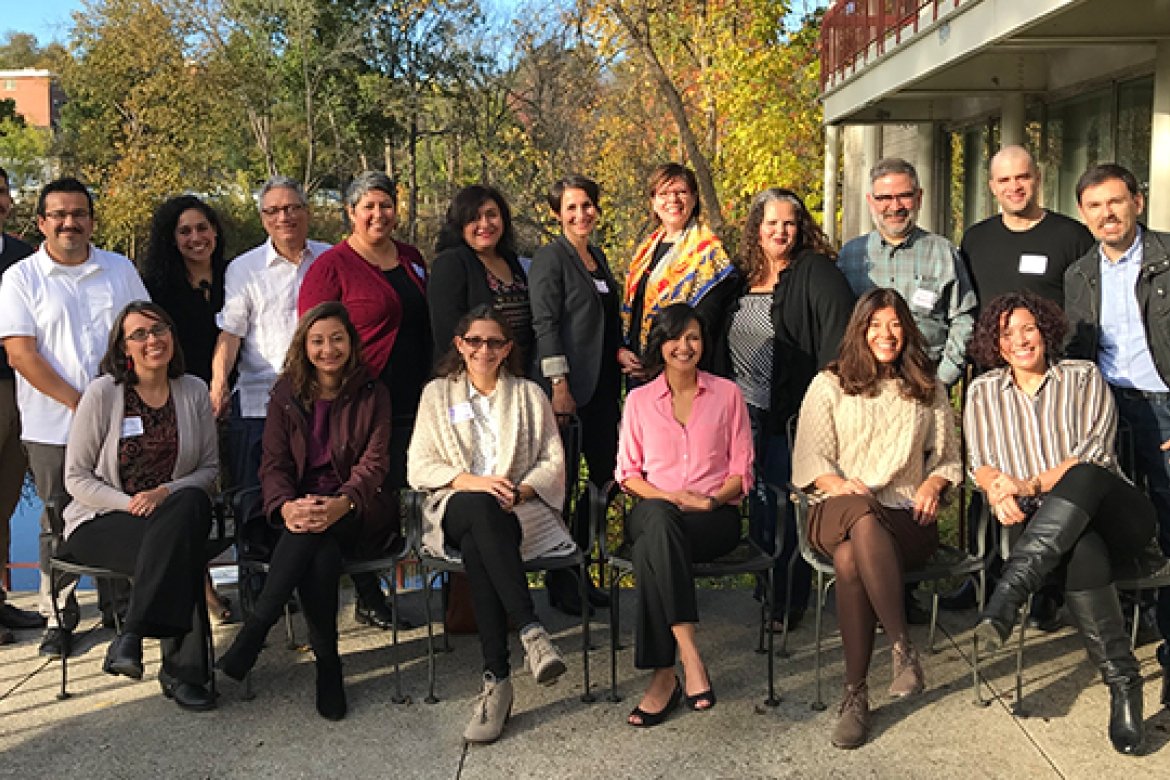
column 1148, row 415
column 773, row 465
column 243, row 441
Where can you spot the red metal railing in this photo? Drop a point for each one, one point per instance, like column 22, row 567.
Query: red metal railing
column 854, row 30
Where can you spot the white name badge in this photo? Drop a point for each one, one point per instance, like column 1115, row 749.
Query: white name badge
column 1033, row 264
column 601, row 286
column 132, row 426
column 924, row 299
column 461, row 412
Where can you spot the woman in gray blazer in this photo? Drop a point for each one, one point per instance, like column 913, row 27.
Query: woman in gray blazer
column 575, row 315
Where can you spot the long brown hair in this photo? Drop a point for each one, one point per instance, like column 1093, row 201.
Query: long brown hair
column 751, row 261
column 301, row 373
column 859, row 371
column 117, row 363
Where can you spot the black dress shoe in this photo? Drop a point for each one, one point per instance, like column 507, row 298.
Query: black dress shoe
column 124, row 656
column 380, row 616
column 1045, row 614
column 57, row 642
column 6, row 636
column 188, row 696
column 14, row 617
column 564, row 593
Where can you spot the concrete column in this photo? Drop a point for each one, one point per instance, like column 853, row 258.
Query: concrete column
column 1158, row 204
column 1011, row 121
column 871, row 152
column 925, row 168
column 832, row 165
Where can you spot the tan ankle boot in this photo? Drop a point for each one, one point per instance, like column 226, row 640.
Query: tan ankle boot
column 492, row 708
column 852, row 727
column 544, row 660
column 908, row 678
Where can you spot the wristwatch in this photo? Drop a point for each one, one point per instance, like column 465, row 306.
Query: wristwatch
column 556, row 380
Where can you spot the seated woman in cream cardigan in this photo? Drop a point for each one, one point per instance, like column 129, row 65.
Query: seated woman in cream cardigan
column 486, row 446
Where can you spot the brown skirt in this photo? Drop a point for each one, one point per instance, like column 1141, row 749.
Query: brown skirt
column 832, row 520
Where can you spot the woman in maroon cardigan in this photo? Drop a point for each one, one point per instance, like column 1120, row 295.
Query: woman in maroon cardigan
column 381, row 282
column 324, row 463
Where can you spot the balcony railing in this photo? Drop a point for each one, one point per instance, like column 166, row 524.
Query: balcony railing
column 854, row 31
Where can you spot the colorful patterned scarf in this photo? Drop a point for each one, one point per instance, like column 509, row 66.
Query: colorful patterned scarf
column 694, row 265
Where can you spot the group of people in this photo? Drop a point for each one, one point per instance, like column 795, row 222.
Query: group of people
column 347, row 373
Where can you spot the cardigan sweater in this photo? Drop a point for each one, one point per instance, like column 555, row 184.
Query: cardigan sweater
column 341, row 274
column 359, row 447
column 91, row 455
column 529, row 452
column 889, row 442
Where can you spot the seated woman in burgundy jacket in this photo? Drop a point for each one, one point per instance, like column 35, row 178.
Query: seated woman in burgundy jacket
column 325, row 459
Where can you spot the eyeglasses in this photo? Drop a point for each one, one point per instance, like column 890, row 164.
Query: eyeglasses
column 291, row 210
column 901, row 197
column 158, row 330
column 61, row 216
column 475, row 342
column 673, row 194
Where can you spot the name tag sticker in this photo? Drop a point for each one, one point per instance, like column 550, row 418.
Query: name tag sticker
column 461, row 412
column 601, row 286
column 924, row 299
column 1033, row 264
column 132, row 426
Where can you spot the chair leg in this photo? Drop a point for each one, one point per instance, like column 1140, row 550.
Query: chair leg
column 787, row 608
column 976, row 684
column 614, row 610
column 289, row 630
column 1137, row 614
column 428, row 583
column 1018, row 707
column 583, row 574
column 392, row 582
column 933, row 620
column 819, row 704
column 55, row 591
column 773, row 700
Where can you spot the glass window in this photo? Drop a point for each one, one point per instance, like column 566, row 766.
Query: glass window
column 1135, row 121
column 1080, row 134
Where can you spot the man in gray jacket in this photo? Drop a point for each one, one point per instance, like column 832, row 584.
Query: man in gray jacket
column 1117, row 298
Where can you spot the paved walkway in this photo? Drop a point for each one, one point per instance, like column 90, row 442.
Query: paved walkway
column 117, row 728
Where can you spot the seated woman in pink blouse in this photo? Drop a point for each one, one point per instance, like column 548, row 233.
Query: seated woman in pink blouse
column 686, row 452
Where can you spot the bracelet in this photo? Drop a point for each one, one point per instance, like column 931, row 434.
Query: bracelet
column 1036, row 487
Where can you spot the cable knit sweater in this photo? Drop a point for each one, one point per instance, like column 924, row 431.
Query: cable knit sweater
column 529, row 452
column 889, row 442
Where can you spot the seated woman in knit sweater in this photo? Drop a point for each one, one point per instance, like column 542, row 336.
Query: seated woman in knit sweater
column 878, row 443
column 326, row 453
column 486, row 447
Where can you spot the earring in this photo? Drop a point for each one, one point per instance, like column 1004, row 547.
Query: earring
column 129, row 363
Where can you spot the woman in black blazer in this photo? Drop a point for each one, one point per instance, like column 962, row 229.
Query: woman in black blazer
column 476, row 264
column 575, row 316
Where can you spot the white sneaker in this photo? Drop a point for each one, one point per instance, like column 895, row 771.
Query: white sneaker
column 493, row 706
column 544, row 660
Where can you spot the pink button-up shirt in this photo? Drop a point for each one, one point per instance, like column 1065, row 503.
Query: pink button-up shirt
column 699, row 456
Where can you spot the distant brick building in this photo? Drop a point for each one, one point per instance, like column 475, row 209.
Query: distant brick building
column 38, row 98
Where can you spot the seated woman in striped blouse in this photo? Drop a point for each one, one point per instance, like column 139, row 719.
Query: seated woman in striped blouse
column 1041, row 433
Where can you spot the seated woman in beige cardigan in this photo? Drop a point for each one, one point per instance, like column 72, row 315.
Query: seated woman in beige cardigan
column 877, row 442
column 486, row 446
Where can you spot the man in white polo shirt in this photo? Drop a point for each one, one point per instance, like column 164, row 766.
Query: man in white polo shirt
column 257, row 322
column 56, row 310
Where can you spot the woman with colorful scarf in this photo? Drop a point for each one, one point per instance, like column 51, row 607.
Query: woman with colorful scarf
column 680, row 262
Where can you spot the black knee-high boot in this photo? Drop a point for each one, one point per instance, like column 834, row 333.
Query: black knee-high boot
column 1049, row 536
column 1097, row 615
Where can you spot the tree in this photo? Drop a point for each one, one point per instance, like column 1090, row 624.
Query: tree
column 21, row 50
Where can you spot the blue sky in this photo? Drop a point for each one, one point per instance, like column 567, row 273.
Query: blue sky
column 49, row 20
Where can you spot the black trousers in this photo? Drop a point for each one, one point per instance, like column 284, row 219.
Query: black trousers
column 600, row 419
column 311, row 565
column 666, row 542
column 489, row 540
column 166, row 554
column 1123, row 522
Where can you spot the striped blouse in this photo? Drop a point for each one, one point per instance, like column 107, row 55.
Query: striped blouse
column 1072, row 415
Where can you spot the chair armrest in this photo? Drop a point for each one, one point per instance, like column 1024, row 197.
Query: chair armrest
column 412, row 516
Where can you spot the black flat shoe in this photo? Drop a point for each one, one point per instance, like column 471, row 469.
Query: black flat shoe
column 14, row 617
column 56, row 643
column 188, row 696
column 379, row 615
column 563, row 593
column 124, row 656
column 650, row 719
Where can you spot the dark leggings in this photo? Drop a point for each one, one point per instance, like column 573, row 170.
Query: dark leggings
column 666, row 542
column 1123, row 521
column 311, row 565
column 488, row 538
column 166, row 554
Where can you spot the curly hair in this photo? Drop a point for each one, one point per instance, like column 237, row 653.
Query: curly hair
column 299, row 370
column 668, row 325
column 858, row 369
column 751, row 262
column 452, row 364
column 163, row 269
column 1050, row 320
column 116, row 362
column 464, row 210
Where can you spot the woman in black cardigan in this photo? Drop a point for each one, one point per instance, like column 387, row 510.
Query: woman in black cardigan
column 777, row 322
column 575, row 316
column 476, row 264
